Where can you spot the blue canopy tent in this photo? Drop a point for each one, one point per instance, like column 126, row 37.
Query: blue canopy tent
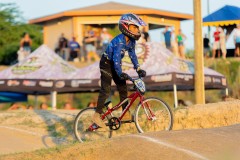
column 12, row 97
column 228, row 15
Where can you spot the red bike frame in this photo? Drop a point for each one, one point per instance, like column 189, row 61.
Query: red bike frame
column 133, row 97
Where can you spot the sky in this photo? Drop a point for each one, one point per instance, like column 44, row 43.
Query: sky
column 38, row 8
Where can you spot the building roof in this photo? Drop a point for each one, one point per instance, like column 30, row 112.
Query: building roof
column 112, row 8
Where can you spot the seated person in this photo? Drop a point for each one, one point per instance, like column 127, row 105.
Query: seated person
column 74, row 49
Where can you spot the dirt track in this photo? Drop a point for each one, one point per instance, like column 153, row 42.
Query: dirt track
column 218, row 143
column 212, row 143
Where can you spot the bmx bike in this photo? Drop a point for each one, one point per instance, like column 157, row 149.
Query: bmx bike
column 151, row 114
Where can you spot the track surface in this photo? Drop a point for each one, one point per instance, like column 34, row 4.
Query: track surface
column 214, row 143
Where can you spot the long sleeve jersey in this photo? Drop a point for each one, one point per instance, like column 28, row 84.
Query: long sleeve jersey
column 116, row 51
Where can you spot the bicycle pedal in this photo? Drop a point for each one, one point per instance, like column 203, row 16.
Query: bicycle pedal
column 130, row 121
column 93, row 127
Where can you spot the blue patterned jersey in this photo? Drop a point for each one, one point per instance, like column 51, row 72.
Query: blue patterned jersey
column 116, row 51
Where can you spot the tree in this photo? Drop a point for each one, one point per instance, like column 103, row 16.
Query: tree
column 12, row 28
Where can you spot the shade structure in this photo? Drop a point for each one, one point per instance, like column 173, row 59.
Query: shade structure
column 42, row 72
column 165, row 71
column 227, row 15
column 163, row 68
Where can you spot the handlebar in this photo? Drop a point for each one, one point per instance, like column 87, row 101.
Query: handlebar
column 140, row 85
column 132, row 79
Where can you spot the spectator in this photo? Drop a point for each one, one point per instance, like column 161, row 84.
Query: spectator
column 105, row 39
column 174, row 43
column 237, row 40
column 68, row 106
column 63, row 47
column 74, row 50
column 30, row 107
column 141, row 39
column 90, row 45
column 92, row 104
column 206, row 46
column 43, row 106
column 146, row 35
column 25, row 47
column 223, row 43
column 216, row 43
column 167, row 36
column 15, row 106
column 180, row 41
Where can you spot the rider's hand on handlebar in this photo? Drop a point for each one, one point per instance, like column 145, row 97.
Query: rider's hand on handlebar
column 124, row 76
column 141, row 73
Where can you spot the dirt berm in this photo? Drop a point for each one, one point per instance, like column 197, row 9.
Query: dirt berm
column 187, row 141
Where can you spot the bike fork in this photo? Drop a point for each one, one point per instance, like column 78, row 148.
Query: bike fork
column 149, row 112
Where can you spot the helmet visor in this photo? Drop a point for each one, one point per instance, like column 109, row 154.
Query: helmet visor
column 136, row 21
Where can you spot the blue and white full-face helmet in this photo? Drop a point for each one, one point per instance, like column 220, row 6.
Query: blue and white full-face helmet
column 128, row 19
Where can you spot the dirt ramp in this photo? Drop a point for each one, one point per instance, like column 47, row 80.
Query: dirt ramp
column 208, row 116
column 213, row 143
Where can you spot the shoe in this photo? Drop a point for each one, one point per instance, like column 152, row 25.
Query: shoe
column 97, row 119
column 127, row 116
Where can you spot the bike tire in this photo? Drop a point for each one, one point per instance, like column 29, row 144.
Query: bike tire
column 82, row 122
column 163, row 113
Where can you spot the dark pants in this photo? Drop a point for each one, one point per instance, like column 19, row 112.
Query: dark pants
column 107, row 74
column 168, row 45
column 73, row 55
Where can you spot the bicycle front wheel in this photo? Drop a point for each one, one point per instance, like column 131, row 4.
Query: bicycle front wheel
column 81, row 127
column 153, row 115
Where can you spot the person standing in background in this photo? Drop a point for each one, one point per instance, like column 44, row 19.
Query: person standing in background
column 237, row 40
column 90, row 46
column 223, row 43
column 105, row 39
column 63, row 47
column 180, row 40
column 141, row 39
column 206, row 46
column 146, row 34
column 216, row 43
column 174, row 43
column 167, row 36
column 25, row 47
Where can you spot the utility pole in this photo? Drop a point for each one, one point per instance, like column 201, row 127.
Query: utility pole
column 199, row 63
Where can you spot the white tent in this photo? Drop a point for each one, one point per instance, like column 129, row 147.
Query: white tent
column 165, row 71
column 42, row 72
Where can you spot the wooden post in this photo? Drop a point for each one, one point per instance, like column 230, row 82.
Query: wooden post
column 199, row 63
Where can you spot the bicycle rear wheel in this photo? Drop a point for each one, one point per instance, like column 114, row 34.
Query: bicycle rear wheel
column 153, row 115
column 81, row 127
